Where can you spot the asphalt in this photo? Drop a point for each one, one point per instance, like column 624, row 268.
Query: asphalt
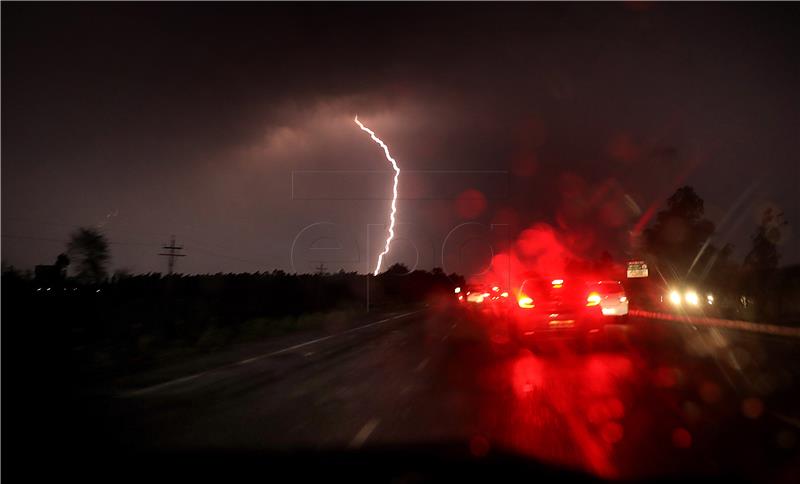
column 647, row 399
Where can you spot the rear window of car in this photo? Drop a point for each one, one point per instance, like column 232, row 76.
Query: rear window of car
column 608, row 287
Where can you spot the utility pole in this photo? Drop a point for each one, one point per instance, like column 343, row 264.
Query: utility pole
column 172, row 253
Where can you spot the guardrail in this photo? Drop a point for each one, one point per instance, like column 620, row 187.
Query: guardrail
column 720, row 323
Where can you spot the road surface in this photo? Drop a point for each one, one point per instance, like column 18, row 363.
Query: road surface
column 661, row 398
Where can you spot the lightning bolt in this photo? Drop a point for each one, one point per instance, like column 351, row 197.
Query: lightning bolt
column 394, row 191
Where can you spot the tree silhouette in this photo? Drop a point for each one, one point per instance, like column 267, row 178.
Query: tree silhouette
column 764, row 254
column 397, row 269
column 88, row 247
column 680, row 232
column 62, row 262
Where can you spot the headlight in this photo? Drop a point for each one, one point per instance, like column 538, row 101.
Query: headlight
column 691, row 298
column 675, row 297
column 710, row 299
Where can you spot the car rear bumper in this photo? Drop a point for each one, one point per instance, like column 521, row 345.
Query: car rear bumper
column 620, row 309
column 530, row 322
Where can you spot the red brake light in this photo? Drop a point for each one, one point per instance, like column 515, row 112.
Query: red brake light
column 593, row 299
column 557, row 283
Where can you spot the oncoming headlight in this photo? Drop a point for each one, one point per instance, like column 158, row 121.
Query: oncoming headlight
column 675, row 297
column 691, row 298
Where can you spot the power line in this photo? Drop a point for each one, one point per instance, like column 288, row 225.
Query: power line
column 173, row 252
column 194, row 247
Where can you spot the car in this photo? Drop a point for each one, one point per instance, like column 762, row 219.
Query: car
column 685, row 298
column 563, row 306
column 487, row 295
column 613, row 299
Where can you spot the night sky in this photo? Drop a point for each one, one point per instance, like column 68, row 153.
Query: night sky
column 231, row 126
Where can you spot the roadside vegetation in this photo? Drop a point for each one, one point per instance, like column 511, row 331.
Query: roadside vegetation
column 132, row 322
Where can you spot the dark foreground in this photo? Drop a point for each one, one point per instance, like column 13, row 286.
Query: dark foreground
column 434, row 394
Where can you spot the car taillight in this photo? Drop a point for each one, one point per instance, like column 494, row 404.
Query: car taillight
column 525, row 302
column 504, row 294
column 593, row 299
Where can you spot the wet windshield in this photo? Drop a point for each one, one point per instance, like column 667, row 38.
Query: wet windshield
column 565, row 233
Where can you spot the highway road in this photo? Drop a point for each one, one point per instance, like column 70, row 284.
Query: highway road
column 657, row 398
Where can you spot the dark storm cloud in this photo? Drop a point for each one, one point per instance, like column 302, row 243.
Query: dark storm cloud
column 189, row 119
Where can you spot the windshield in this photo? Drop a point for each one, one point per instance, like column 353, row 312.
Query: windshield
column 564, row 233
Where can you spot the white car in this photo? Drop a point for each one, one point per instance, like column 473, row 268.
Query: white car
column 613, row 300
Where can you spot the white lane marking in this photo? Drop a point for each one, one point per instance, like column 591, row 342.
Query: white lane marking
column 177, row 381
column 164, row 385
column 422, row 365
column 364, row 433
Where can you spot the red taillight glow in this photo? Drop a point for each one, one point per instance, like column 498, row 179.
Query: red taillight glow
column 557, row 283
column 525, row 302
column 505, row 294
column 593, row 299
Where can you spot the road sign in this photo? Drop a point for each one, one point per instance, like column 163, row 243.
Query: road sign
column 637, row 268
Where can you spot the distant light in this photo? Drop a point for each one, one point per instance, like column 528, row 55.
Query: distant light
column 504, row 294
column 485, row 294
column 38, row 288
column 675, row 297
column 558, row 283
column 458, row 289
column 710, row 299
column 460, row 298
column 97, row 290
column 593, row 299
column 48, row 288
column 525, row 302
column 495, row 288
column 623, row 299
column 691, row 298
